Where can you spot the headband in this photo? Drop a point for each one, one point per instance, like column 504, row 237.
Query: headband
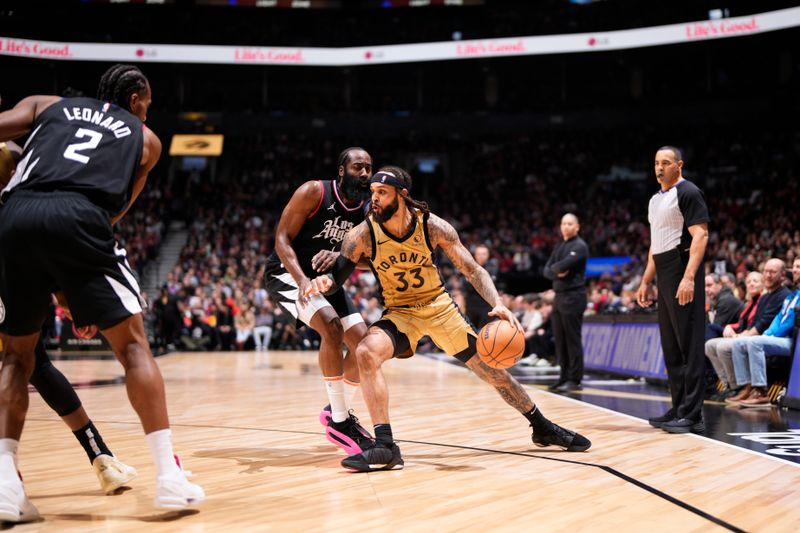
column 387, row 178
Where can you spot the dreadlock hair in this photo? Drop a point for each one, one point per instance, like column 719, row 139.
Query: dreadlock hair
column 405, row 177
column 119, row 83
column 344, row 156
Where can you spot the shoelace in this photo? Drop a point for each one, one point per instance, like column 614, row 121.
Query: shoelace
column 352, row 418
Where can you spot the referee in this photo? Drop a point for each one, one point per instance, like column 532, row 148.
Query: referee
column 678, row 218
column 566, row 268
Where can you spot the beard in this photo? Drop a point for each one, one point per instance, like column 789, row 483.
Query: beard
column 352, row 189
column 387, row 212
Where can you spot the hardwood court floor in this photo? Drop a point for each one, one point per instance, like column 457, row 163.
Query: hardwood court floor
column 247, row 425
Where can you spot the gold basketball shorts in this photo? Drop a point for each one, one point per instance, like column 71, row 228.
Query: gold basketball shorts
column 439, row 319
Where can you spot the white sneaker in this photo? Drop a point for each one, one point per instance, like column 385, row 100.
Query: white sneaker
column 14, row 503
column 176, row 492
column 530, row 360
column 112, row 472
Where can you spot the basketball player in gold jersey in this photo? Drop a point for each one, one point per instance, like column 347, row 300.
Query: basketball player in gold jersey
column 399, row 238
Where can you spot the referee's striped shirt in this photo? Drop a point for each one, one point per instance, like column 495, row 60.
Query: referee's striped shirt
column 671, row 212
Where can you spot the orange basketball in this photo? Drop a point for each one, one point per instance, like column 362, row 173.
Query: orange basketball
column 500, row 344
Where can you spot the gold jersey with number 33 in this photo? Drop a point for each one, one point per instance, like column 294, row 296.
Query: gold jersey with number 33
column 404, row 265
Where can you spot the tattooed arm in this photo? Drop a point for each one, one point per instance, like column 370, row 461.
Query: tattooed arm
column 357, row 244
column 443, row 235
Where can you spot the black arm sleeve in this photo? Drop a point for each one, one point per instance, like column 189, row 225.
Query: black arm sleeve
column 340, row 272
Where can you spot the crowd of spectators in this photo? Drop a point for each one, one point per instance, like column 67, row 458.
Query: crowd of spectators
column 142, row 230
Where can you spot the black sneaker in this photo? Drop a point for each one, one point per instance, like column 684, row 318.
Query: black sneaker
column 685, row 425
column 377, row 457
column 659, row 421
column 348, row 435
column 554, row 387
column 558, row 436
column 325, row 419
column 569, row 386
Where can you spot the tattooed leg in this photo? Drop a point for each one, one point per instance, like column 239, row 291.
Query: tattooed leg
column 508, row 387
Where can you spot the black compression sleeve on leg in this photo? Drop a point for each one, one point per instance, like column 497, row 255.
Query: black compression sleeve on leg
column 52, row 385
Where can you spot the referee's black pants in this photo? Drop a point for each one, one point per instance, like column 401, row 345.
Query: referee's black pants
column 682, row 334
column 567, row 320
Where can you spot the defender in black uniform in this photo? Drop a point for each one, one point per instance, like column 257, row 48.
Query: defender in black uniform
column 57, row 391
column 84, row 162
column 307, row 242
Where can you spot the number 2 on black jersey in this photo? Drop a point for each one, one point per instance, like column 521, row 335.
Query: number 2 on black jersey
column 72, row 150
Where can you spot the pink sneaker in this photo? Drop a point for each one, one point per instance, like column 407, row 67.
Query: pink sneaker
column 348, row 435
column 325, row 415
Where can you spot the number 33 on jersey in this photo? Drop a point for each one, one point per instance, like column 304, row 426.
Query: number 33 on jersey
column 404, row 266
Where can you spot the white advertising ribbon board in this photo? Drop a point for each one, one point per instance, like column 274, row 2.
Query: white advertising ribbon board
column 405, row 53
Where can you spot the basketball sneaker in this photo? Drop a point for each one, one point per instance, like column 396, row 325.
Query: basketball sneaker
column 558, row 436
column 14, row 503
column 324, row 415
column 378, row 456
column 348, row 435
column 176, row 492
column 112, row 472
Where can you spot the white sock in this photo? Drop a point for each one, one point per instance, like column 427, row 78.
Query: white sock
column 8, row 449
column 335, row 388
column 160, row 443
column 350, row 390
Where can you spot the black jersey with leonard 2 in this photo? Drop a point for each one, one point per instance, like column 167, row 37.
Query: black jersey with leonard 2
column 75, row 146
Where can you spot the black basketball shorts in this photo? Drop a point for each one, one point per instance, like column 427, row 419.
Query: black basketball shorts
column 283, row 291
column 53, row 241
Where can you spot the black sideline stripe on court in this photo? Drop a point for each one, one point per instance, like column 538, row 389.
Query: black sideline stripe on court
column 610, row 470
column 613, row 471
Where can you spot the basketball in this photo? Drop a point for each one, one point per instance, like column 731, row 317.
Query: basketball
column 500, row 344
